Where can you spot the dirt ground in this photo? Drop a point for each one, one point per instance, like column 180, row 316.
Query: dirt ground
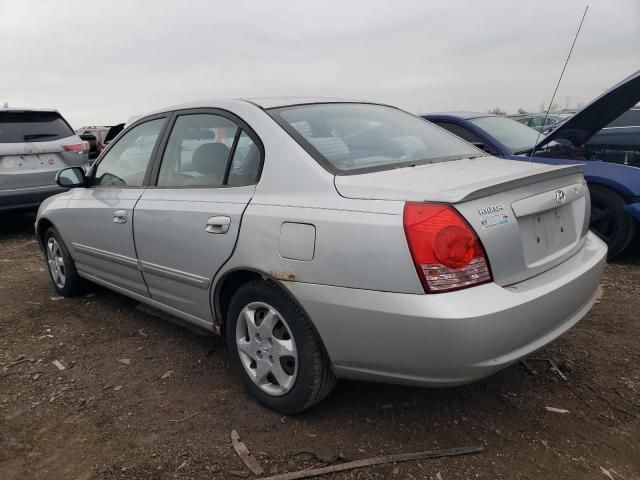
column 143, row 398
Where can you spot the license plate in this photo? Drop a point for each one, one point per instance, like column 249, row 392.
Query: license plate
column 549, row 229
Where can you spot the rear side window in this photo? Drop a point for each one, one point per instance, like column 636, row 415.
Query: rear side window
column 356, row 138
column 18, row 127
column 208, row 150
column 198, row 151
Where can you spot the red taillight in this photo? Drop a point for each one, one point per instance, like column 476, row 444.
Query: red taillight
column 79, row 148
column 446, row 251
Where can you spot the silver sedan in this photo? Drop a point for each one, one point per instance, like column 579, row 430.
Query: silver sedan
column 329, row 239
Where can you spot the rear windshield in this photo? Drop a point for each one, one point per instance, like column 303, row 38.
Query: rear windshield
column 17, row 127
column 356, row 138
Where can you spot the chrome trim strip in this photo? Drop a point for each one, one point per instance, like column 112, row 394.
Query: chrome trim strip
column 177, row 275
column 104, row 255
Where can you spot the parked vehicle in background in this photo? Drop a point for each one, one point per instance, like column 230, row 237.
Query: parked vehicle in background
column 34, row 145
column 113, row 133
column 609, row 155
column 618, row 142
column 330, row 239
column 540, row 121
column 96, row 137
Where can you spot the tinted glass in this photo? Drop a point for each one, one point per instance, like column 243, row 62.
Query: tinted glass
column 513, row 135
column 352, row 137
column 18, row 127
column 198, row 151
column 467, row 136
column 245, row 165
column 630, row 118
column 461, row 132
column 125, row 164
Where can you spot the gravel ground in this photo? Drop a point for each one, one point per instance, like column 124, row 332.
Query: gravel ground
column 141, row 397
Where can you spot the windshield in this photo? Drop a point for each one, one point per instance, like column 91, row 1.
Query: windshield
column 513, row 135
column 18, row 127
column 354, row 137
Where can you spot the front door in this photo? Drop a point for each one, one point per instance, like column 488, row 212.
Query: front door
column 186, row 225
column 100, row 227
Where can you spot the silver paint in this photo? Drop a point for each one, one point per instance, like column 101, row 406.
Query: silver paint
column 360, row 289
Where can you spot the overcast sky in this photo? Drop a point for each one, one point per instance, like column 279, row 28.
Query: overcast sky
column 101, row 62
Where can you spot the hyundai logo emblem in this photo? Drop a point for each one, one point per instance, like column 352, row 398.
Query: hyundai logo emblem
column 560, row 196
column 28, row 148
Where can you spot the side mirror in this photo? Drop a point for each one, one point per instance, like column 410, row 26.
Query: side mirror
column 71, row 177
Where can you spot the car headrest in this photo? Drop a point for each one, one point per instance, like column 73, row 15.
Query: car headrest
column 210, row 158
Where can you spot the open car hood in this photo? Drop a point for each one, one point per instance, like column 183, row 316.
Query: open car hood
column 579, row 128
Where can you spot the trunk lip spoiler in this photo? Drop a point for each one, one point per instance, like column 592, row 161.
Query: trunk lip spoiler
column 500, row 184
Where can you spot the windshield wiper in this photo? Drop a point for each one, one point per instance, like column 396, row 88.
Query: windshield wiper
column 33, row 136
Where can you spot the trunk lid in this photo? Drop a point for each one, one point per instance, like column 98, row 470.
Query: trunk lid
column 579, row 128
column 524, row 223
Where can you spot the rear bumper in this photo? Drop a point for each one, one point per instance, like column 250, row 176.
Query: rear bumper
column 23, row 198
column 450, row 338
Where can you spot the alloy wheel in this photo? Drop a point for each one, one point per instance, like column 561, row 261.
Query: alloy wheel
column 56, row 263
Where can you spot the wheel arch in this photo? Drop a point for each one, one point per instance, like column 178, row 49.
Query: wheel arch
column 235, row 278
column 611, row 184
column 41, row 227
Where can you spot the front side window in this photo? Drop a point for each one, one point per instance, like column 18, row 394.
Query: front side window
column 467, row 136
column 355, row 138
column 513, row 135
column 125, row 164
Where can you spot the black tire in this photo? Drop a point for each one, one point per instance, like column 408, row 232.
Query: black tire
column 314, row 379
column 609, row 220
column 73, row 284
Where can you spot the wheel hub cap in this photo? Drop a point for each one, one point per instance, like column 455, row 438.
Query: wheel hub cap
column 267, row 349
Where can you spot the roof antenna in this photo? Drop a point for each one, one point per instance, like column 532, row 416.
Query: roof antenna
column 559, row 80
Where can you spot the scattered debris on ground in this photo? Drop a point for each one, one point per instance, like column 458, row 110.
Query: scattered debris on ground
column 102, row 420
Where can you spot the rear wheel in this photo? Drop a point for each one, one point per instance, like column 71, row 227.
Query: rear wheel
column 62, row 270
column 609, row 220
column 275, row 349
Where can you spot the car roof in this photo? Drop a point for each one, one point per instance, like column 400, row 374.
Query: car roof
column 276, row 102
column 462, row 114
column 27, row 109
column 260, row 102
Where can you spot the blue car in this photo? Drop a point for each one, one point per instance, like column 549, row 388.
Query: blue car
column 609, row 152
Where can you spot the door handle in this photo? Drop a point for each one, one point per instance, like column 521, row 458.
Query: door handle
column 120, row 216
column 219, row 224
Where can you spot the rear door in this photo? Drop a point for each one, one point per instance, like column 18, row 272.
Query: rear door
column 186, row 226
column 34, row 145
column 99, row 219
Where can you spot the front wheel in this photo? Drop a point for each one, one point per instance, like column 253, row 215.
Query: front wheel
column 609, row 220
column 275, row 349
column 62, row 270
